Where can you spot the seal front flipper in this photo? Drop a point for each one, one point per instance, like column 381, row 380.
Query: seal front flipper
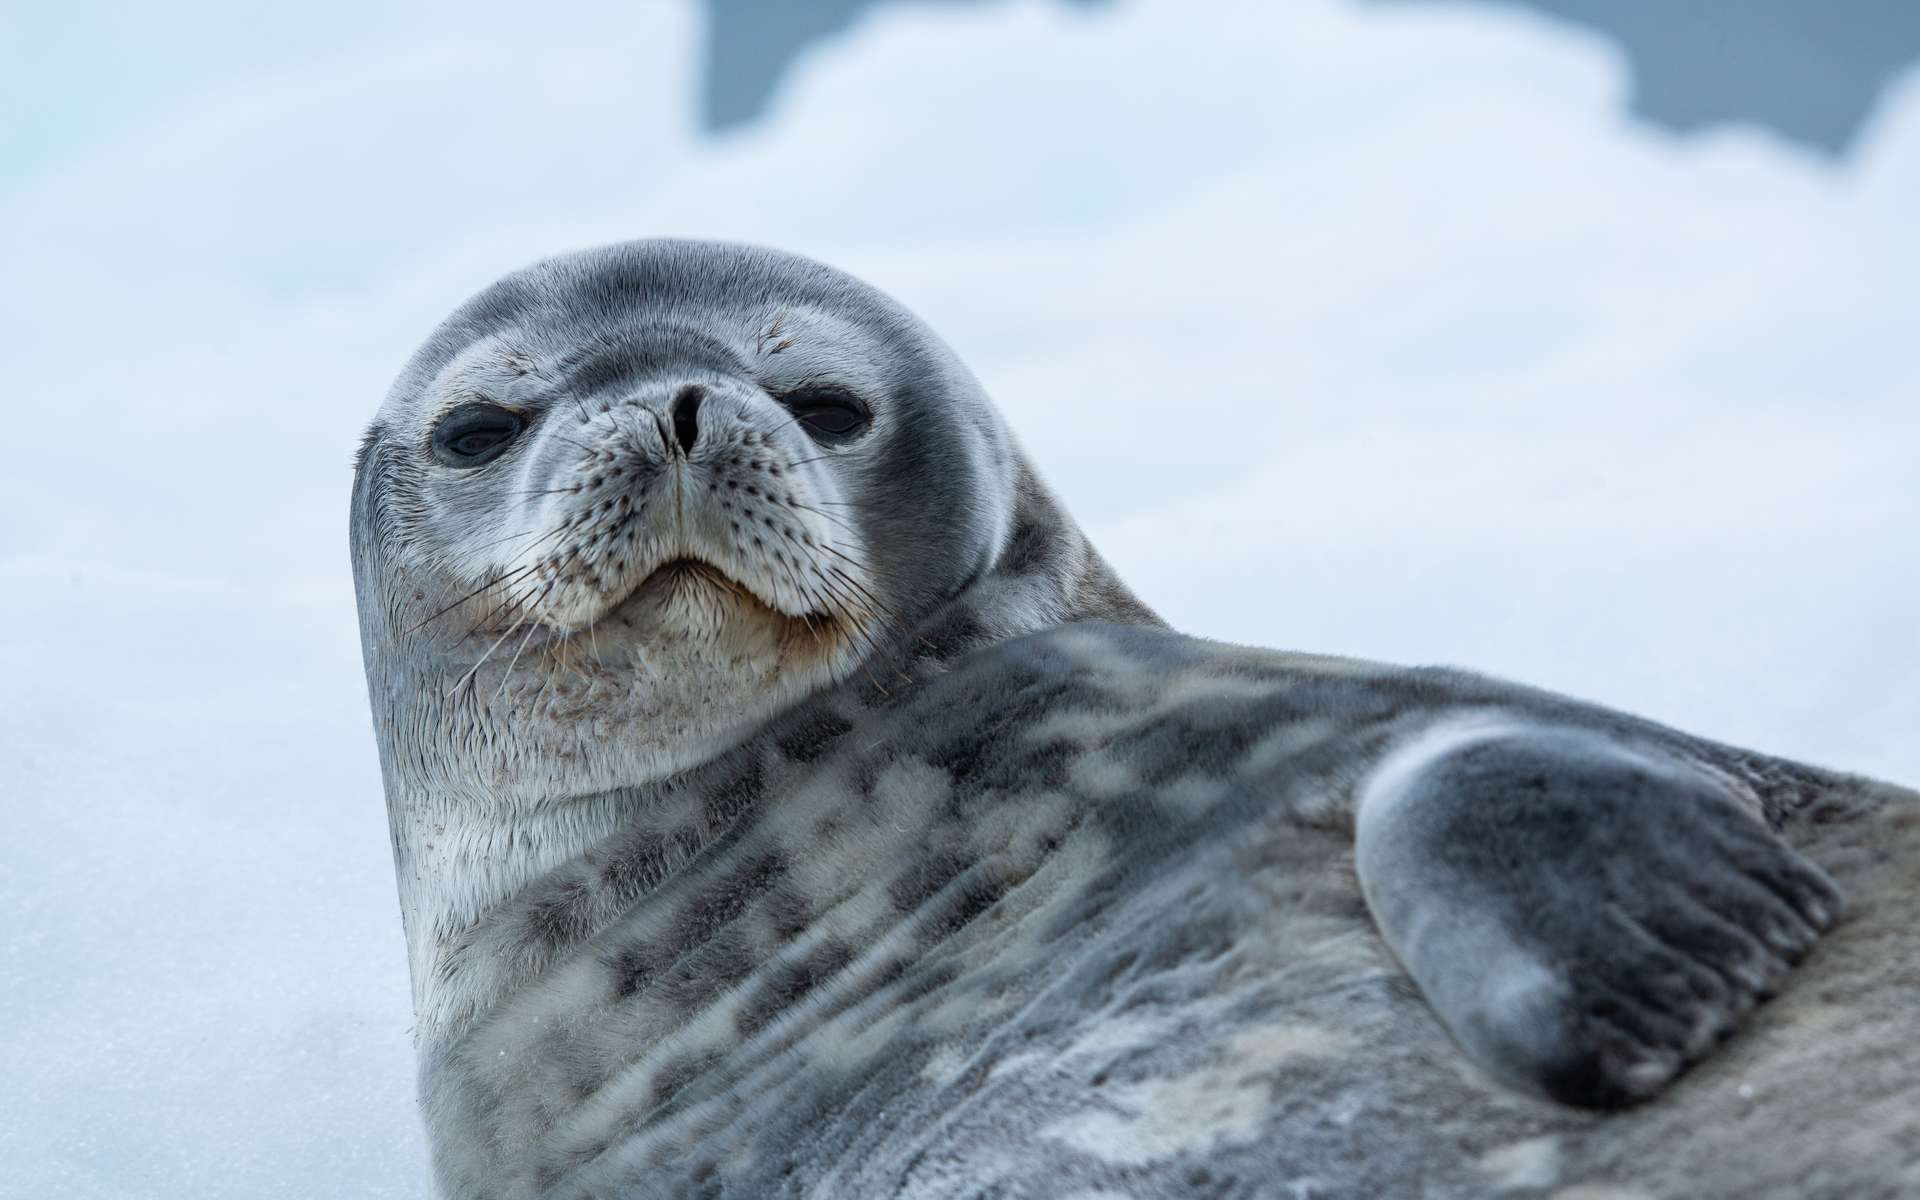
column 1587, row 917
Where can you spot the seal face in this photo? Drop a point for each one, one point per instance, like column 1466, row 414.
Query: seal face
column 623, row 507
column 682, row 503
column 787, row 799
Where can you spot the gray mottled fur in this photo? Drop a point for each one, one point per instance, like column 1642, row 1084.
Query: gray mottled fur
column 1019, row 893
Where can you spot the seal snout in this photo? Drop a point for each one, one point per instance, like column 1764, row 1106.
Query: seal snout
column 702, row 494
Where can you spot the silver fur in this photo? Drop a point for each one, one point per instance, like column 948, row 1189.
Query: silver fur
column 778, row 813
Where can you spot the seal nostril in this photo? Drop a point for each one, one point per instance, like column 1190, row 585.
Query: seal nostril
column 686, row 416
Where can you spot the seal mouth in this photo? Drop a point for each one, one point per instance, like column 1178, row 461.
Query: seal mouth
column 687, row 565
column 682, row 594
column 684, row 577
column 685, row 571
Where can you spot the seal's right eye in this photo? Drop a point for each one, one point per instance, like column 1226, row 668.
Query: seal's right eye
column 475, row 434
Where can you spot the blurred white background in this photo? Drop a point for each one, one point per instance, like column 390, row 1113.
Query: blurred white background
column 1409, row 331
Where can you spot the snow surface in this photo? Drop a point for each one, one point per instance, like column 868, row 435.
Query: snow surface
column 1361, row 330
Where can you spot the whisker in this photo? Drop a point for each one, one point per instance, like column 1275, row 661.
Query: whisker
column 515, row 660
column 801, row 462
column 475, row 668
column 593, row 639
column 491, row 583
column 509, row 537
column 827, row 515
column 858, row 603
column 580, row 446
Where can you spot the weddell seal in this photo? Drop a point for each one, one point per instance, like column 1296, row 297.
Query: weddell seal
column 788, row 801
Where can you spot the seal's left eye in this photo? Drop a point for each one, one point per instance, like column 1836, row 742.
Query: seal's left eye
column 829, row 414
column 475, row 434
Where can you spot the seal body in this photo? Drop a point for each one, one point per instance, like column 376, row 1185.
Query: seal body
column 788, row 801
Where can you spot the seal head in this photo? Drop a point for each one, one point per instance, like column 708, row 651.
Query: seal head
column 626, row 504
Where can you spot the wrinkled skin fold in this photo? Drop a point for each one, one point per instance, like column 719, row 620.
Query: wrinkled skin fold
column 923, row 860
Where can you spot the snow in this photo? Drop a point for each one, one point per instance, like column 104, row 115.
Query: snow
column 1352, row 329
